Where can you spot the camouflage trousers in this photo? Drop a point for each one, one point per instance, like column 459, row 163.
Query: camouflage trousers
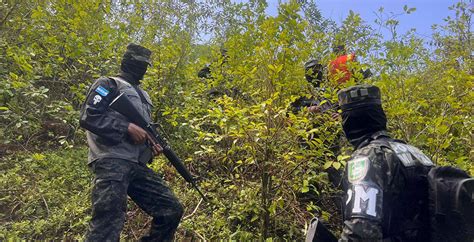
column 114, row 179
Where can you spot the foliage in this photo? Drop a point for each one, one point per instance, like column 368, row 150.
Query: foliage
column 254, row 156
column 430, row 101
column 45, row 195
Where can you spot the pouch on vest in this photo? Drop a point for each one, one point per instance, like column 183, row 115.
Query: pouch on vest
column 451, row 204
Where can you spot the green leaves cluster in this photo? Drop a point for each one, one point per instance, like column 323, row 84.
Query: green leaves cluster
column 45, row 196
column 264, row 167
column 429, row 93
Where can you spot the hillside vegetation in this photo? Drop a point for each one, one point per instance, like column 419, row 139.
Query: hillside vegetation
column 246, row 150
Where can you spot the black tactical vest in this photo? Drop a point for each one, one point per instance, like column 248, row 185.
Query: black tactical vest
column 126, row 149
column 405, row 190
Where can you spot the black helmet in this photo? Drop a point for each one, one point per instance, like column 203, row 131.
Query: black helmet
column 310, row 64
column 137, row 53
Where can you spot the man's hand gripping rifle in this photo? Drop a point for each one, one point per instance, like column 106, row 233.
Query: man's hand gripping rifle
column 122, row 105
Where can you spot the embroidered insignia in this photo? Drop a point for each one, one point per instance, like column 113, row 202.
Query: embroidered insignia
column 403, row 154
column 420, row 156
column 97, row 99
column 102, row 91
column 410, row 155
column 357, row 168
column 365, row 200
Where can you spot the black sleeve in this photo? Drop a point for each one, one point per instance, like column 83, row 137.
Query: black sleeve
column 94, row 115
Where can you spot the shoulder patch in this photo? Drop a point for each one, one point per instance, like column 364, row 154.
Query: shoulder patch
column 102, row 91
column 420, row 156
column 364, row 200
column 97, row 99
column 357, row 168
column 410, row 155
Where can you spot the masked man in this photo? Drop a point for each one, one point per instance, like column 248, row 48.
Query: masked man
column 385, row 180
column 118, row 153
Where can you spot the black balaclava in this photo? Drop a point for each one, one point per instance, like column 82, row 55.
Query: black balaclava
column 362, row 113
column 134, row 70
column 360, row 123
column 135, row 62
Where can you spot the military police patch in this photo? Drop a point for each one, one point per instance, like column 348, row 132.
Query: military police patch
column 102, row 91
column 357, row 168
column 410, row 155
column 364, row 199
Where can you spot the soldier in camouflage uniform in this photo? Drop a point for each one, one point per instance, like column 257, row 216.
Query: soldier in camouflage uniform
column 116, row 150
column 314, row 76
column 385, row 180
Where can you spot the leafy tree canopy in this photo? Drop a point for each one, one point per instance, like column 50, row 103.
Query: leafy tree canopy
column 247, row 145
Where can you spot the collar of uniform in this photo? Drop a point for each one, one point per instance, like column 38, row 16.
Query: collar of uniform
column 368, row 138
column 380, row 134
column 129, row 78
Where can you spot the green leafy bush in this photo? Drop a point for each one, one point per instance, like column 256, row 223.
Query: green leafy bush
column 45, row 195
column 265, row 177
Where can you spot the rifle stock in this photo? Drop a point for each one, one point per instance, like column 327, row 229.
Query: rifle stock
column 124, row 106
column 317, row 232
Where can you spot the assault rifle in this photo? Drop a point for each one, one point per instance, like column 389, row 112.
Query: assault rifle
column 122, row 105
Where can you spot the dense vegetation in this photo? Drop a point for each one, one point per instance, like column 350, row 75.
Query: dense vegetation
column 247, row 149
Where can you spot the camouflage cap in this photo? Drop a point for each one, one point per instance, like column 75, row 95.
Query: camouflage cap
column 359, row 96
column 137, row 53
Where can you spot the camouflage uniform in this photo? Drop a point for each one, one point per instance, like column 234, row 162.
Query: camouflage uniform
column 314, row 76
column 117, row 162
column 385, row 181
column 114, row 179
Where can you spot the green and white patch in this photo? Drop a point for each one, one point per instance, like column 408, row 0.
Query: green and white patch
column 357, row 168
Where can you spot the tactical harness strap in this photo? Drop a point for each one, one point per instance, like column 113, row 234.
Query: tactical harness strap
column 139, row 92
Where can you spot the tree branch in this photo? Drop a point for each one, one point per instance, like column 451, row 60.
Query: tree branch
column 8, row 14
column 194, row 211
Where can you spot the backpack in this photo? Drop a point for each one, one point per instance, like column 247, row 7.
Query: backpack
column 451, row 204
column 450, row 197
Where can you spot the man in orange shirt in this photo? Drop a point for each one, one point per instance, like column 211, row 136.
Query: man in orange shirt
column 339, row 68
